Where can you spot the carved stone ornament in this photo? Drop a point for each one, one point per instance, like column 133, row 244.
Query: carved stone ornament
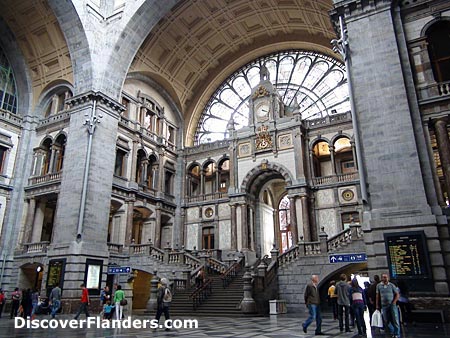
column 348, row 195
column 263, row 139
column 261, row 91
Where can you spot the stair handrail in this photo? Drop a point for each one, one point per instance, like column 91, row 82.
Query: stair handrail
column 228, row 275
column 201, row 293
column 216, row 265
column 192, row 261
column 194, row 273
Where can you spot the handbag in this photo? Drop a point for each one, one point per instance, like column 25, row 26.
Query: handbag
column 377, row 321
column 123, row 302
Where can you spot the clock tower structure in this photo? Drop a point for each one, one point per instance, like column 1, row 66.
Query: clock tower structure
column 265, row 103
column 266, row 107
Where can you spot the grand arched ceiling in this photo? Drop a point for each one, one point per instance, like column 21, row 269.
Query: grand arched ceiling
column 41, row 41
column 199, row 43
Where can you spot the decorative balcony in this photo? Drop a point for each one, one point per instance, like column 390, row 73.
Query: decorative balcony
column 434, row 91
column 115, row 248
column 52, row 177
column 333, row 179
column 207, row 197
column 35, row 248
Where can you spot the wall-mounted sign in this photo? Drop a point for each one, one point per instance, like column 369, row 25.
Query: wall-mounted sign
column 407, row 255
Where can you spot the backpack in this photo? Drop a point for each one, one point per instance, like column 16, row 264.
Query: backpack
column 167, row 298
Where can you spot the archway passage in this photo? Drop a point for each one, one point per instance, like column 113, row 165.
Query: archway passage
column 141, row 289
column 268, row 223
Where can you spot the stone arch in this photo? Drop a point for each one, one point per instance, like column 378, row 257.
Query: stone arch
column 341, row 135
column 20, row 68
column 77, row 42
column 133, row 35
column 167, row 93
column 265, row 167
column 431, row 23
column 53, row 88
column 313, row 142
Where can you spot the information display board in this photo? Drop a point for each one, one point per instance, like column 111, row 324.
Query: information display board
column 407, row 255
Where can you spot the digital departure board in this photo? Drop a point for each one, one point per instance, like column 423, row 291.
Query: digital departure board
column 407, row 255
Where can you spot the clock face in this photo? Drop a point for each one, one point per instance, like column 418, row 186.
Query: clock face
column 262, row 110
column 209, row 212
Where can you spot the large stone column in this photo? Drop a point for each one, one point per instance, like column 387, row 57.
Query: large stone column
column 443, row 143
column 38, row 221
column 305, row 219
column 333, row 161
column 29, row 220
column 233, row 227
column 293, row 216
column 158, row 227
column 395, row 165
column 244, row 226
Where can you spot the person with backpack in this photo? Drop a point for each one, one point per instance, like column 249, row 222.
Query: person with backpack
column 164, row 298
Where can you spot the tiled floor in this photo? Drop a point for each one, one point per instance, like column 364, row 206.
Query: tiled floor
column 284, row 326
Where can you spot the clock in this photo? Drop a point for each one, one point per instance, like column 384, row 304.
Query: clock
column 262, row 110
column 209, row 212
column 348, row 195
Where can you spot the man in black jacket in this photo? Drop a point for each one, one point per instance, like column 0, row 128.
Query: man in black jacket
column 312, row 301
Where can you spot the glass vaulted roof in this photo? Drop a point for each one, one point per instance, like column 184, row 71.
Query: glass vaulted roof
column 317, row 82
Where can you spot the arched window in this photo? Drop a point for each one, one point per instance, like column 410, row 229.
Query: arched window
column 47, row 156
column 57, row 103
column 152, row 172
column 224, row 175
column 208, row 238
column 141, row 164
column 210, row 178
column 322, row 159
column 284, row 218
column 438, row 39
column 59, row 148
column 194, row 181
column 8, row 93
column 345, row 162
column 316, row 81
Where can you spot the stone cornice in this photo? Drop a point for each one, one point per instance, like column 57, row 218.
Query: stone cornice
column 101, row 98
column 351, row 8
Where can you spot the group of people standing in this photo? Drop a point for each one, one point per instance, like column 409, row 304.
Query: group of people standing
column 349, row 302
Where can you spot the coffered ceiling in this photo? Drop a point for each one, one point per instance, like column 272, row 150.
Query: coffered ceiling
column 40, row 40
column 196, row 46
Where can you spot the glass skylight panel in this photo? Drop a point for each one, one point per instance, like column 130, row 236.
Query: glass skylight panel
column 316, row 81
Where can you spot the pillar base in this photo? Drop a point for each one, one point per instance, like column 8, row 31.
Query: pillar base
column 248, row 305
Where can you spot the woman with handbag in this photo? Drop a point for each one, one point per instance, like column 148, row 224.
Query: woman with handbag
column 120, row 301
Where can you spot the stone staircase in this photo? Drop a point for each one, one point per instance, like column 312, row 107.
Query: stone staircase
column 223, row 302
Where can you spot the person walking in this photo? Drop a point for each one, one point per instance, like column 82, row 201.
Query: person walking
column 15, row 297
column 342, row 291
column 2, row 301
column 119, row 297
column 164, row 298
column 55, row 300
column 312, row 301
column 34, row 302
column 85, row 302
column 332, row 298
column 387, row 297
column 359, row 305
column 372, row 295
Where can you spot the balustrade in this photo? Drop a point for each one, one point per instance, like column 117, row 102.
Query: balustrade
column 45, row 178
column 115, row 248
column 38, row 247
column 333, row 179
